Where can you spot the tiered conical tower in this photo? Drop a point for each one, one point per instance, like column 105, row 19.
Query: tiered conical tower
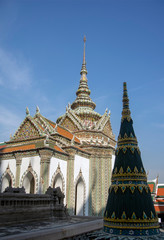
column 83, row 99
column 96, row 137
column 129, row 209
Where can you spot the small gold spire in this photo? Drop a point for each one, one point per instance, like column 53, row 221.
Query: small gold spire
column 84, row 50
column 84, row 70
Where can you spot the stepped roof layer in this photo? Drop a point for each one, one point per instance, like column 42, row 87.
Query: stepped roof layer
column 129, row 210
column 39, row 132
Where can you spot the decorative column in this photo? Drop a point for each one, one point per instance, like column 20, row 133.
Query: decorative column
column 18, row 158
column 70, row 194
column 45, row 156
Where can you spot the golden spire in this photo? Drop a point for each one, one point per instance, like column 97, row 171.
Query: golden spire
column 83, row 93
column 84, row 50
column 83, row 69
column 126, row 110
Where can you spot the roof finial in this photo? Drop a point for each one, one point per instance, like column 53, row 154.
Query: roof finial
column 83, row 69
column 126, row 110
column 37, row 110
column 27, row 112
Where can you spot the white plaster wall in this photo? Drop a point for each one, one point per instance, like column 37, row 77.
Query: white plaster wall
column 35, row 163
column 113, row 161
column 83, row 164
column 12, row 165
column 54, row 162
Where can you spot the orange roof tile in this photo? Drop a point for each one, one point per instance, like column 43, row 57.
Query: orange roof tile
column 73, row 146
column 66, row 134
column 77, row 140
column 2, row 146
column 151, row 186
column 59, row 149
column 160, row 200
column 40, row 126
column 159, row 209
column 160, row 191
column 19, row 148
column 81, row 149
column 53, row 125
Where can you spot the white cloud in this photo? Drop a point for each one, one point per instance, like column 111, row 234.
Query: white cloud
column 14, row 71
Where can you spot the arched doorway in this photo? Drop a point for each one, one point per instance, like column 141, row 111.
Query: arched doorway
column 79, row 197
column 6, row 182
column 29, row 183
column 58, row 182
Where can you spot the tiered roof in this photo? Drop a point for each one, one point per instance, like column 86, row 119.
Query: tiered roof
column 157, row 192
column 159, row 199
column 39, row 132
column 129, row 209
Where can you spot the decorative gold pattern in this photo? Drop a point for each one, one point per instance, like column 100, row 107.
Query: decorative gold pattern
column 123, row 215
column 124, row 148
column 129, row 173
column 27, row 131
column 132, row 187
column 133, row 219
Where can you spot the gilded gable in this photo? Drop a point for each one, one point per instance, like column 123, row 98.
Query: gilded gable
column 26, row 131
column 69, row 124
column 107, row 130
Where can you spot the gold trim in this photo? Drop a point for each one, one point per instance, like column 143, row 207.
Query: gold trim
column 132, row 227
column 137, row 221
column 122, row 174
column 132, row 187
column 128, row 179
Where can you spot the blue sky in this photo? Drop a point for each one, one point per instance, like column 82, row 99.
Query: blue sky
column 41, row 50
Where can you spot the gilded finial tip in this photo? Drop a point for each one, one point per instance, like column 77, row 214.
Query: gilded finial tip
column 84, row 39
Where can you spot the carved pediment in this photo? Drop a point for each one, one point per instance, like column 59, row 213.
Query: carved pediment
column 26, row 131
column 69, row 124
column 107, row 130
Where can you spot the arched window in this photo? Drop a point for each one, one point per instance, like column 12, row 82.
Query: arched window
column 6, row 182
column 29, row 183
column 58, row 182
column 80, row 197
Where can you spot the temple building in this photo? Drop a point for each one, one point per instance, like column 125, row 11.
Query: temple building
column 75, row 153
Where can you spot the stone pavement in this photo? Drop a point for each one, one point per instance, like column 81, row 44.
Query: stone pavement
column 51, row 229
column 76, row 228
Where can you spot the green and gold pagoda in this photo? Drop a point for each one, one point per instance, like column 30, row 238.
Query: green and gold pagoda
column 129, row 210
